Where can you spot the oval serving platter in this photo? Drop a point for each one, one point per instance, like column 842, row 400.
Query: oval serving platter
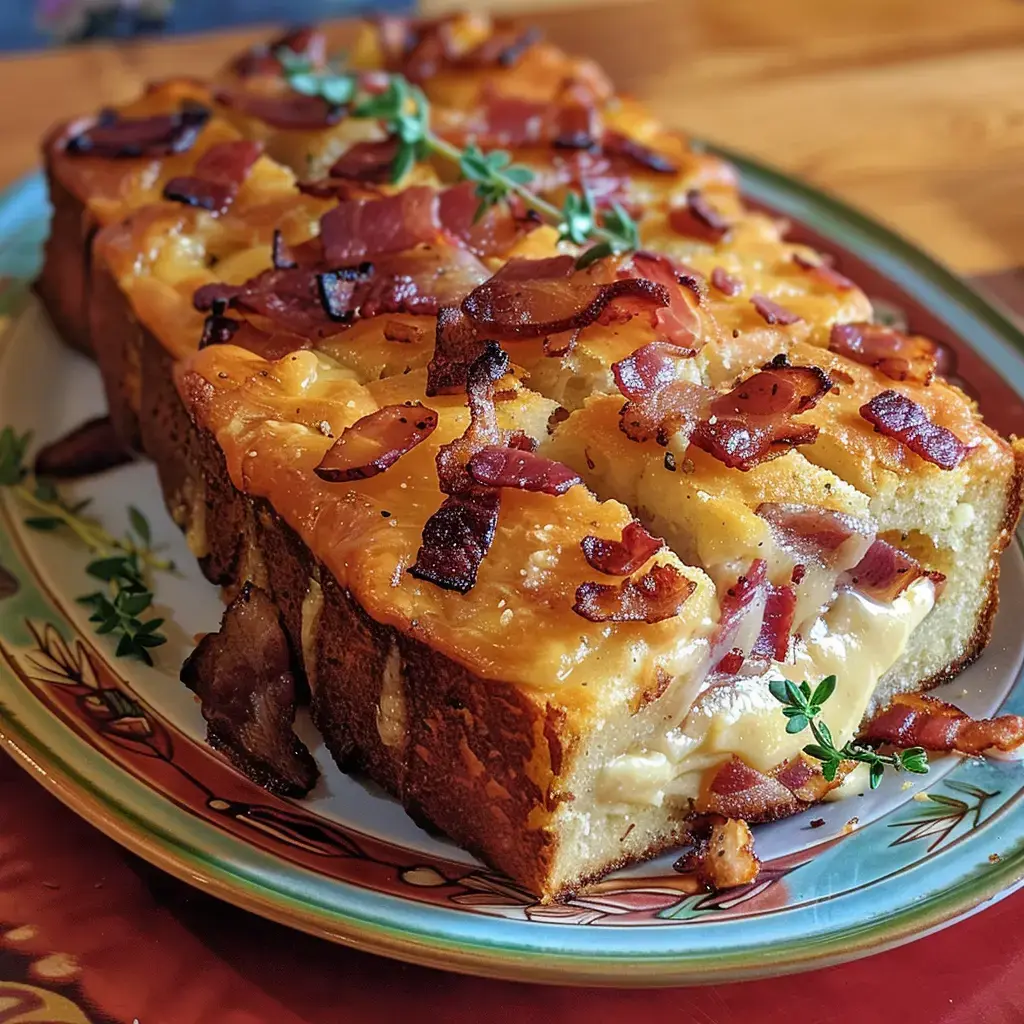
column 122, row 743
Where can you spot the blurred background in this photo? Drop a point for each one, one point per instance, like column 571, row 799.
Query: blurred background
column 912, row 110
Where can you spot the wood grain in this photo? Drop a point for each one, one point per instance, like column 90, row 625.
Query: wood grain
column 912, row 111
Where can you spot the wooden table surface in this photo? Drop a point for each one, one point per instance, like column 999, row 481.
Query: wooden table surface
column 912, row 111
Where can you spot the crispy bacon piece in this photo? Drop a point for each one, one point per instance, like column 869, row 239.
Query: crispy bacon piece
column 242, row 676
column 754, row 422
column 659, row 404
column 289, row 298
column 739, row 791
column 621, row 557
column 887, row 350
column 456, row 347
column 455, row 540
column 723, row 853
column 616, row 144
column 358, row 228
column 496, row 466
column 731, row 662
column 885, row 572
column 419, row 49
column 824, row 273
column 568, row 121
column 833, row 538
column 740, row 617
column 490, row 235
column 376, row 442
column 777, row 625
column 537, row 298
column 367, row 161
column 306, row 300
column 698, row 219
column 772, row 312
column 901, row 418
column 678, row 322
column 459, row 534
column 219, row 174
column 291, row 111
column 657, row 595
column 261, row 59
column 115, row 137
column 916, row 720
column 91, row 448
column 726, row 283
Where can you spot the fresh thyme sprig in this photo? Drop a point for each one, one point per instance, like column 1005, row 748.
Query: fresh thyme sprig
column 802, row 707
column 404, row 110
column 120, row 563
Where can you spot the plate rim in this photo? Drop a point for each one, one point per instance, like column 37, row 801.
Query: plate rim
column 999, row 342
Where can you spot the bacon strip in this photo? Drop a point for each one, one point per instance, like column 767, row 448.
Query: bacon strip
column 726, row 283
column 739, row 791
column 824, row 273
column 218, row 176
column 306, row 300
column 916, row 720
column 359, row 228
column 496, row 466
column 885, row 572
column 774, row 640
column 617, row 144
column 459, row 534
column 536, row 298
column 901, row 418
column 809, row 531
column 723, row 853
column 887, row 350
column 115, row 137
column 772, row 313
column 698, row 219
column 92, row 447
column 490, row 235
column 657, row 595
column 621, row 557
column 659, row 404
column 754, row 422
column 242, row 677
column 262, row 59
column 456, row 347
column 678, row 322
column 367, row 161
column 376, row 442
column 290, row 111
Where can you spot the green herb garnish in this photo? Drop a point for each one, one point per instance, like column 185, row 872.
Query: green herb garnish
column 120, row 563
column 803, row 707
column 404, row 110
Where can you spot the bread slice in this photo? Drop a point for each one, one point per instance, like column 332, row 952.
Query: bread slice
column 554, row 746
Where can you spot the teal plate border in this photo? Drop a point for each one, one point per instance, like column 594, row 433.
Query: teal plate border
column 977, row 866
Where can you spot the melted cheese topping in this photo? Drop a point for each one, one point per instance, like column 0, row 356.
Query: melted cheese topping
column 517, row 622
column 857, row 640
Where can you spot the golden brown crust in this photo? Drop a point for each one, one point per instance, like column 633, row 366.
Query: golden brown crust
column 63, row 283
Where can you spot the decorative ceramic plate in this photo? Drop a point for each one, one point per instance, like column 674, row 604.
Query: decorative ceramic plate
column 122, row 743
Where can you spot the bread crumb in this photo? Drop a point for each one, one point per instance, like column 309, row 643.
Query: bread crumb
column 921, row 797
column 817, row 822
column 850, row 826
column 994, row 858
column 907, row 785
